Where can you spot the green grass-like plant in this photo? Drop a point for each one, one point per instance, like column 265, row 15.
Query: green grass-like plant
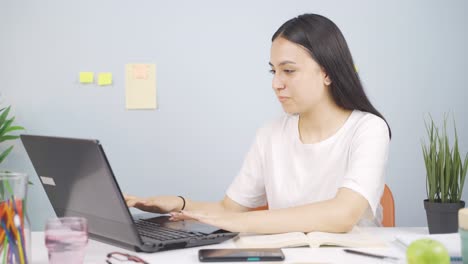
column 445, row 170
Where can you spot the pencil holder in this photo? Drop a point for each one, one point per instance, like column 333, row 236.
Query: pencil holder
column 15, row 232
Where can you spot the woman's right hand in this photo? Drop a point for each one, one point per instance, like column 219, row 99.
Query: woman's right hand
column 155, row 204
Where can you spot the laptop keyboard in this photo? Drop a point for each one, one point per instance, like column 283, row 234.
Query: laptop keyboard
column 156, row 231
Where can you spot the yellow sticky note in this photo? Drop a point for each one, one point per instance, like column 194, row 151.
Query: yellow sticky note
column 86, row 77
column 105, row 78
column 140, row 86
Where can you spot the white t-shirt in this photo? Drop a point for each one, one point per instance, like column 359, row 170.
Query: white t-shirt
column 284, row 172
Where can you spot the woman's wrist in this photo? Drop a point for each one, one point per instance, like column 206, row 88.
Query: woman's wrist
column 183, row 202
column 246, row 225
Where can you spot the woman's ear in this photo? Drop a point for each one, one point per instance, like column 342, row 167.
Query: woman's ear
column 327, row 80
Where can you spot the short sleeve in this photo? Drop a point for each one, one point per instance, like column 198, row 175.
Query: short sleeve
column 368, row 160
column 248, row 188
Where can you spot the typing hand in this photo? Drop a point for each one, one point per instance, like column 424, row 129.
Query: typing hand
column 178, row 216
column 229, row 221
column 156, row 204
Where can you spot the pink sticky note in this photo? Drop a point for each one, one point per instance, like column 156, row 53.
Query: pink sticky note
column 140, row 71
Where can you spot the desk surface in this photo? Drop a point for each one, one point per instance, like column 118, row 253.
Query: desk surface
column 96, row 251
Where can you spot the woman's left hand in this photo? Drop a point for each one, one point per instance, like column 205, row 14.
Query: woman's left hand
column 233, row 222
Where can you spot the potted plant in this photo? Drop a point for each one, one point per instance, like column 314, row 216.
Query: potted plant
column 13, row 189
column 445, row 177
column 5, row 128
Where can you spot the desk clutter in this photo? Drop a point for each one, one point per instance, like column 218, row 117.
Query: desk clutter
column 99, row 252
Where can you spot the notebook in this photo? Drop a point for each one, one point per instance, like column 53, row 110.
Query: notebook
column 450, row 241
column 355, row 239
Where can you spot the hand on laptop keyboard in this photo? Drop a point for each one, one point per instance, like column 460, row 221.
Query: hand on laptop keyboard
column 231, row 221
column 155, row 204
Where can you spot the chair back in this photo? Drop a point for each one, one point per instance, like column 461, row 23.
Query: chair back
column 388, row 206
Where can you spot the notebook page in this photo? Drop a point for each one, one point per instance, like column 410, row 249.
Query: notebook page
column 345, row 239
column 293, row 239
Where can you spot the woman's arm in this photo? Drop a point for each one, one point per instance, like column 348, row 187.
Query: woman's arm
column 336, row 215
column 167, row 204
column 225, row 205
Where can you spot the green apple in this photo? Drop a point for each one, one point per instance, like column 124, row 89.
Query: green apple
column 427, row 251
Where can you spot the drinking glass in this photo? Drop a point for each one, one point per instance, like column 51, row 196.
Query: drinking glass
column 66, row 239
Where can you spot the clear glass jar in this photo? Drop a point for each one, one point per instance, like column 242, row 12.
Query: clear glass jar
column 15, row 231
column 463, row 231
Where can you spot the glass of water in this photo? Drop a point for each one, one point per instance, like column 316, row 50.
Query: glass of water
column 66, row 239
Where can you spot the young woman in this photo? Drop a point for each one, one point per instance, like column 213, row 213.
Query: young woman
column 321, row 166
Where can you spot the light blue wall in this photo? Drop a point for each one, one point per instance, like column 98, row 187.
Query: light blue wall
column 213, row 83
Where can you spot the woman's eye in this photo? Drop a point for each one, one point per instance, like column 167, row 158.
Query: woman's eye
column 285, row 71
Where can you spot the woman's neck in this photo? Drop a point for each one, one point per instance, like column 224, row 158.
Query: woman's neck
column 321, row 123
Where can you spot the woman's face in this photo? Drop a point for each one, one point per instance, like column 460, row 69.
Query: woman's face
column 298, row 81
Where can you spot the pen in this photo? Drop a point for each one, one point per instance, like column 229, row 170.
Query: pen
column 369, row 254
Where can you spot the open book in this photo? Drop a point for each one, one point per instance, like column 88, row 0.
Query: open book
column 356, row 238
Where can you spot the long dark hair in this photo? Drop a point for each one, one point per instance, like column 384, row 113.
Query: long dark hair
column 327, row 46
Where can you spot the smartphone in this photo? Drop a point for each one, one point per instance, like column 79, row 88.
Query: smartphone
column 240, row 254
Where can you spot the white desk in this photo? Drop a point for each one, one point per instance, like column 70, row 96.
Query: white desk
column 96, row 251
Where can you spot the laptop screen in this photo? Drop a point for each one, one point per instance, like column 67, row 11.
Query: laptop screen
column 78, row 180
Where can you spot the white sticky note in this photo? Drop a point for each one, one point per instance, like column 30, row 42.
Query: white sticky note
column 140, row 86
column 48, row 180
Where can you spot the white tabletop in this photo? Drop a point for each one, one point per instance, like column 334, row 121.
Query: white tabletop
column 96, row 251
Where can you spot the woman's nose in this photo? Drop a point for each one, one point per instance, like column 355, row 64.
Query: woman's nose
column 277, row 84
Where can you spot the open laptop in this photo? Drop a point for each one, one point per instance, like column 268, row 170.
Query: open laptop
column 78, row 180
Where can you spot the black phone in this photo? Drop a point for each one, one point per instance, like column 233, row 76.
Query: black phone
column 240, row 254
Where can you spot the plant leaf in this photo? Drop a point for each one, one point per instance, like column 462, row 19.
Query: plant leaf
column 5, row 153
column 463, row 173
column 10, row 129
column 5, row 138
column 6, row 125
column 4, row 115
